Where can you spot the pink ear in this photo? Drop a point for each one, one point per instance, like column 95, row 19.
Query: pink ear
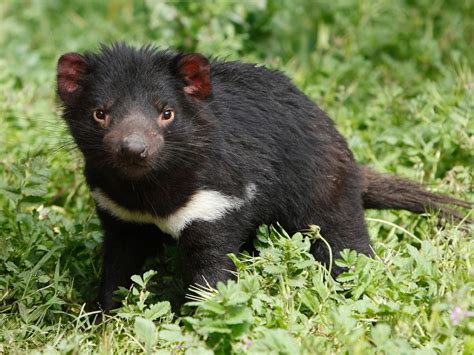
column 194, row 70
column 71, row 67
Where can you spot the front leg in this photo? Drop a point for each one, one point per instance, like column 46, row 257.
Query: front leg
column 205, row 246
column 125, row 249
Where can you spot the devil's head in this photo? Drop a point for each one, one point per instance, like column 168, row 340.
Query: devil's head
column 134, row 111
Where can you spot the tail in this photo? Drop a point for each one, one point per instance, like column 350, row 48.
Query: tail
column 390, row 192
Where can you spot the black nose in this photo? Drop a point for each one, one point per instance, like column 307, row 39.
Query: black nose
column 134, row 147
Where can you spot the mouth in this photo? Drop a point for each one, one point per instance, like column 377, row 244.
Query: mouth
column 134, row 169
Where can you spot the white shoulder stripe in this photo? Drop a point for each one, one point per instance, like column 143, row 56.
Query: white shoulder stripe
column 204, row 205
column 115, row 209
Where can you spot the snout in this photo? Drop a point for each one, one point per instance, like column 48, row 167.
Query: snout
column 134, row 148
column 134, row 144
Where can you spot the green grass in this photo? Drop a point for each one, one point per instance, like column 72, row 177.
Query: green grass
column 396, row 76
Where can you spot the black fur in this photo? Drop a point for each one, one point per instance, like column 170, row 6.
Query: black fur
column 254, row 126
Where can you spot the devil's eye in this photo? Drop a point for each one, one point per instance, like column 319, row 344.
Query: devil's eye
column 99, row 115
column 167, row 115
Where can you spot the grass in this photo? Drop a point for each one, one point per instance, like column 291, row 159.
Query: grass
column 396, row 76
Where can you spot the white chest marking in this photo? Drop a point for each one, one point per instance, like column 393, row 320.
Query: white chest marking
column 204, row 205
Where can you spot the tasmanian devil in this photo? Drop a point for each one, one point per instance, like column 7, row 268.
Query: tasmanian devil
column 205, row 152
